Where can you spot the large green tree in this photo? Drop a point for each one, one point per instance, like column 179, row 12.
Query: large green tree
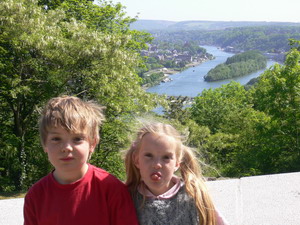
column 214, row 107
column 45, row 53
column 277, row 93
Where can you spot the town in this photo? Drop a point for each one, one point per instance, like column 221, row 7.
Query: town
column 165, row 59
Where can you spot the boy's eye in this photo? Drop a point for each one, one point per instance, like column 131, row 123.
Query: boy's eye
column 78, row 139
column 55, row 139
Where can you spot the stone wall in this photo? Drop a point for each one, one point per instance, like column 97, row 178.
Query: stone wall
column 258, row 200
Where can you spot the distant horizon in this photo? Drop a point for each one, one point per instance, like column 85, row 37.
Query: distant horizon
column 213, row 10
column 218, row 21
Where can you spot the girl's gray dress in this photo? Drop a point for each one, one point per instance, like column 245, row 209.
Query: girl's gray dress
column 177, row 210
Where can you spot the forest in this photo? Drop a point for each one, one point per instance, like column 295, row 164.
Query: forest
column 238, row 65
column 272, row 39
column 49, row 48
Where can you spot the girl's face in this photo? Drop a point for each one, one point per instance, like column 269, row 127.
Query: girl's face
column 156, row 160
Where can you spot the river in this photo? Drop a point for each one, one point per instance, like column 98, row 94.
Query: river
column 191, row 82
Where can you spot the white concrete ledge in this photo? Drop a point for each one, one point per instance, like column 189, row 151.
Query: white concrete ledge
column 11, row 211
column 258, row 200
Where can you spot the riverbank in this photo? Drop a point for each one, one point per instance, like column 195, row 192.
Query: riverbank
column 169, row 72
column 191, row 83
column 173, row 71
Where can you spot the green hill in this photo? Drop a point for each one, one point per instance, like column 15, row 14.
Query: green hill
column 149, row 25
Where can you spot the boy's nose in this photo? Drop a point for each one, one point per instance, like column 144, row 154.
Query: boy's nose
column 67, row 147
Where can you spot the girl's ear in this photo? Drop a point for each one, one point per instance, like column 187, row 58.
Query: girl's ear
column 135, row 159
column 177, row 165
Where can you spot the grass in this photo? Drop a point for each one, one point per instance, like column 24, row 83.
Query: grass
column 12, row 195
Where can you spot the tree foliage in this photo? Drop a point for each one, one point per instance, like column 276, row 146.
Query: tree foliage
column 45, row 53
column 214, row 106
column 257, row 131
column 278, row 94
column 238, row 65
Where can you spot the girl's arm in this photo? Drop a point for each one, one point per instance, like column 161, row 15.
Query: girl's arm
column 220, row 220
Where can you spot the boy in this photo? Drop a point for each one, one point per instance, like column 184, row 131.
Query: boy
column 75, row 193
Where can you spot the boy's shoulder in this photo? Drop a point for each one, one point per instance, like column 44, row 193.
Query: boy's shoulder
column 95, row 175
column 105, row 177
column 40, row 185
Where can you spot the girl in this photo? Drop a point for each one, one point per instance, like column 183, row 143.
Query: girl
column 159, row 196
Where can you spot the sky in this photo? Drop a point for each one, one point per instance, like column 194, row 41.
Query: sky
column 214, row 10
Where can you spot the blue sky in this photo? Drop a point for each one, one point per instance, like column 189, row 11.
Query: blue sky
column 215, row 10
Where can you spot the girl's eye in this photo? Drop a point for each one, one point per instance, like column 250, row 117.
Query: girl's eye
column 166, row 157
column 148, row 155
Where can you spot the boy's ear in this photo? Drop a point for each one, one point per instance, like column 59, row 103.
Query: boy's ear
column 93, row 144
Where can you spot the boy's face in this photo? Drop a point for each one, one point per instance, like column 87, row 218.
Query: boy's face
column 68, row 153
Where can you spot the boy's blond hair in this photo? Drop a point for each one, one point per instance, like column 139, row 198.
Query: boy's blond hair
column 72, row 114
column 190, row 170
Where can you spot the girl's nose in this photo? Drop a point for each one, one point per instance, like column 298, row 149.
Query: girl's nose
column 157, row 165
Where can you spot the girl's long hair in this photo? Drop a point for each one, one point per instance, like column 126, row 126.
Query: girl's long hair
column 195, row 186
column 189, row 169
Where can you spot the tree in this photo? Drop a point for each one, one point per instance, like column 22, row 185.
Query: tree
column 104, row 16
column 277, row 93
column 45, row 54
column 175, row 108
column 238, row 144
column 213, row 107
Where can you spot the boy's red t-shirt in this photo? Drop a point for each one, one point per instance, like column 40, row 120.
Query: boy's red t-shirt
column 97, row 199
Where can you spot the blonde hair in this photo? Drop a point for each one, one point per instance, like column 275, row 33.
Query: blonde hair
column 72, row 114
column 189, row 169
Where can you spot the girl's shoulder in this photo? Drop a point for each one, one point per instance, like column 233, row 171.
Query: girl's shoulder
column 181, row 195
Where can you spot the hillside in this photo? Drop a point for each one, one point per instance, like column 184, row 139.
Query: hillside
column 149, row 25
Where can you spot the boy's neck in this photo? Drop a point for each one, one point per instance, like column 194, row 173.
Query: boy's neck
column 70, row 177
